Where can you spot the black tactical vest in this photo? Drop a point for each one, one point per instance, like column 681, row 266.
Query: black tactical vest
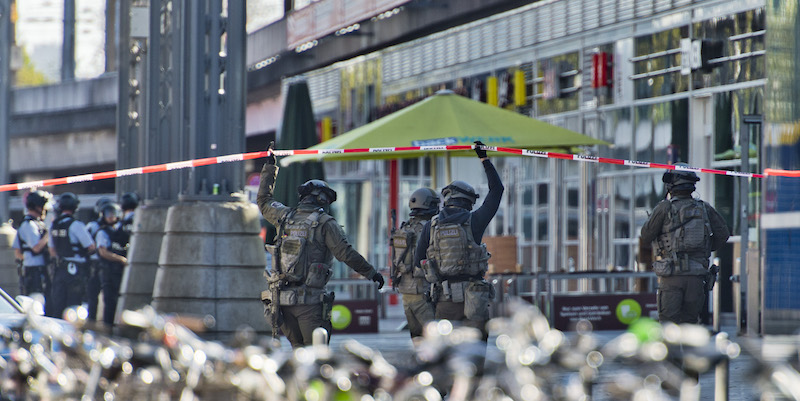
column 65, row 248
column 119, row 239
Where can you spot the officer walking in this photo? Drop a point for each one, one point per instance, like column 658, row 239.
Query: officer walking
column 450, row 252
column 112, row 246
column 407, row 279
column 30, row 246
column 70, row 245
column 684, row 231
column 93, row 282
column 308, row 239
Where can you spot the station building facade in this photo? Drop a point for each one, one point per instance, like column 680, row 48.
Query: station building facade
column 662, row 80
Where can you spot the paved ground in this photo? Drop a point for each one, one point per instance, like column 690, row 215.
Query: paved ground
column 395, row 344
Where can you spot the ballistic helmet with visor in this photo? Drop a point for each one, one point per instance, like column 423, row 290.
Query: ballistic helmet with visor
column 424, row 201
column 680, row 179
column 129, row 201
column 324, row 194
column 67, row 201
column 98, row 206
column 37, row 199
column 111, row 209
column 459, row 193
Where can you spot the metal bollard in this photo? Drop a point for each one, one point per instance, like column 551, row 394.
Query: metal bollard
column 721, row 372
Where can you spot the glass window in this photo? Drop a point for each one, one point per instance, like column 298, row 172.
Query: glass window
column 653, row 75
column 559, row 85
column 615, row 129
column 741, row 37
column 662, row 132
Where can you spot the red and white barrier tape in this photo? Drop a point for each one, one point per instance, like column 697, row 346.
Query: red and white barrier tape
column 256, row 155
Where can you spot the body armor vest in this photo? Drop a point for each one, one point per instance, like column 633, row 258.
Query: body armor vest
column 300, row 246
column 404, row 240
column 686, row 232
column 119, row 239
column 24, row 247
column 65, row 248
column 455, row 251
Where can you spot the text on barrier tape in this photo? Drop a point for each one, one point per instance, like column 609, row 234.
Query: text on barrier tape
column 256, row 155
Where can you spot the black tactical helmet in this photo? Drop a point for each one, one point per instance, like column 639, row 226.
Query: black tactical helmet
column 98, row 206
column 324, row 193
column 129, row 201
column 424, row 201
column 679, row 179
column 111, row 209
column 67, row 201
column 37, row 199
column 460, row 194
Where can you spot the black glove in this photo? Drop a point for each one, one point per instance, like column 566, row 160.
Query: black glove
column 378, row 278
column 480, row 152
column 271, row 159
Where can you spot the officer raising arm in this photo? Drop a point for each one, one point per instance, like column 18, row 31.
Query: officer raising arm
column 450, row 252
column 684, row 231
column 308, row 239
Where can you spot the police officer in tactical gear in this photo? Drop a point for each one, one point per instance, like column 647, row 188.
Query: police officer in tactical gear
column 407, row 279
column 129, row 202
column 307, row 241
column 93, row 282
column 683, row 231
column 30, row 246
column 450, row 252
column 112, row 246
column 70, row 246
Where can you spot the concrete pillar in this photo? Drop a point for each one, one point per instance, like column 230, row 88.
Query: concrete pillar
column 139, row 278
column 212, row 263
column 9, row 278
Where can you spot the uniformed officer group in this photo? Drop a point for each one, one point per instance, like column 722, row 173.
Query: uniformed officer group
column 70, row 263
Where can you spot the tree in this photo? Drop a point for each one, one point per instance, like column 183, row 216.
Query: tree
column 28, row 75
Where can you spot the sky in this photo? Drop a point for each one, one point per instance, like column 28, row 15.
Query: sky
column 39, row 31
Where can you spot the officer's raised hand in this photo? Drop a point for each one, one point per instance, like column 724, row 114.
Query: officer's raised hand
column 378, row 278
column 480, row 151
column 271, row 159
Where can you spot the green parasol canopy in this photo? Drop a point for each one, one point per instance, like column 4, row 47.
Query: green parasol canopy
column 447, row 119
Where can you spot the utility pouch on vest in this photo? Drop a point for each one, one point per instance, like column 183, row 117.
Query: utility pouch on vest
column 663, row 267
column 476, row 300
column 272, row 249
column 318, row 275
column 288, row 297
column 429, row 270
column 327, row 305
column 293, row 259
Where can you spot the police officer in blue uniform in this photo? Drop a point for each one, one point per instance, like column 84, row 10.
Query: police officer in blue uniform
column 112, row 246
column 93, row 283
column 70, row 247
column 129, row 202
column 30, row 245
